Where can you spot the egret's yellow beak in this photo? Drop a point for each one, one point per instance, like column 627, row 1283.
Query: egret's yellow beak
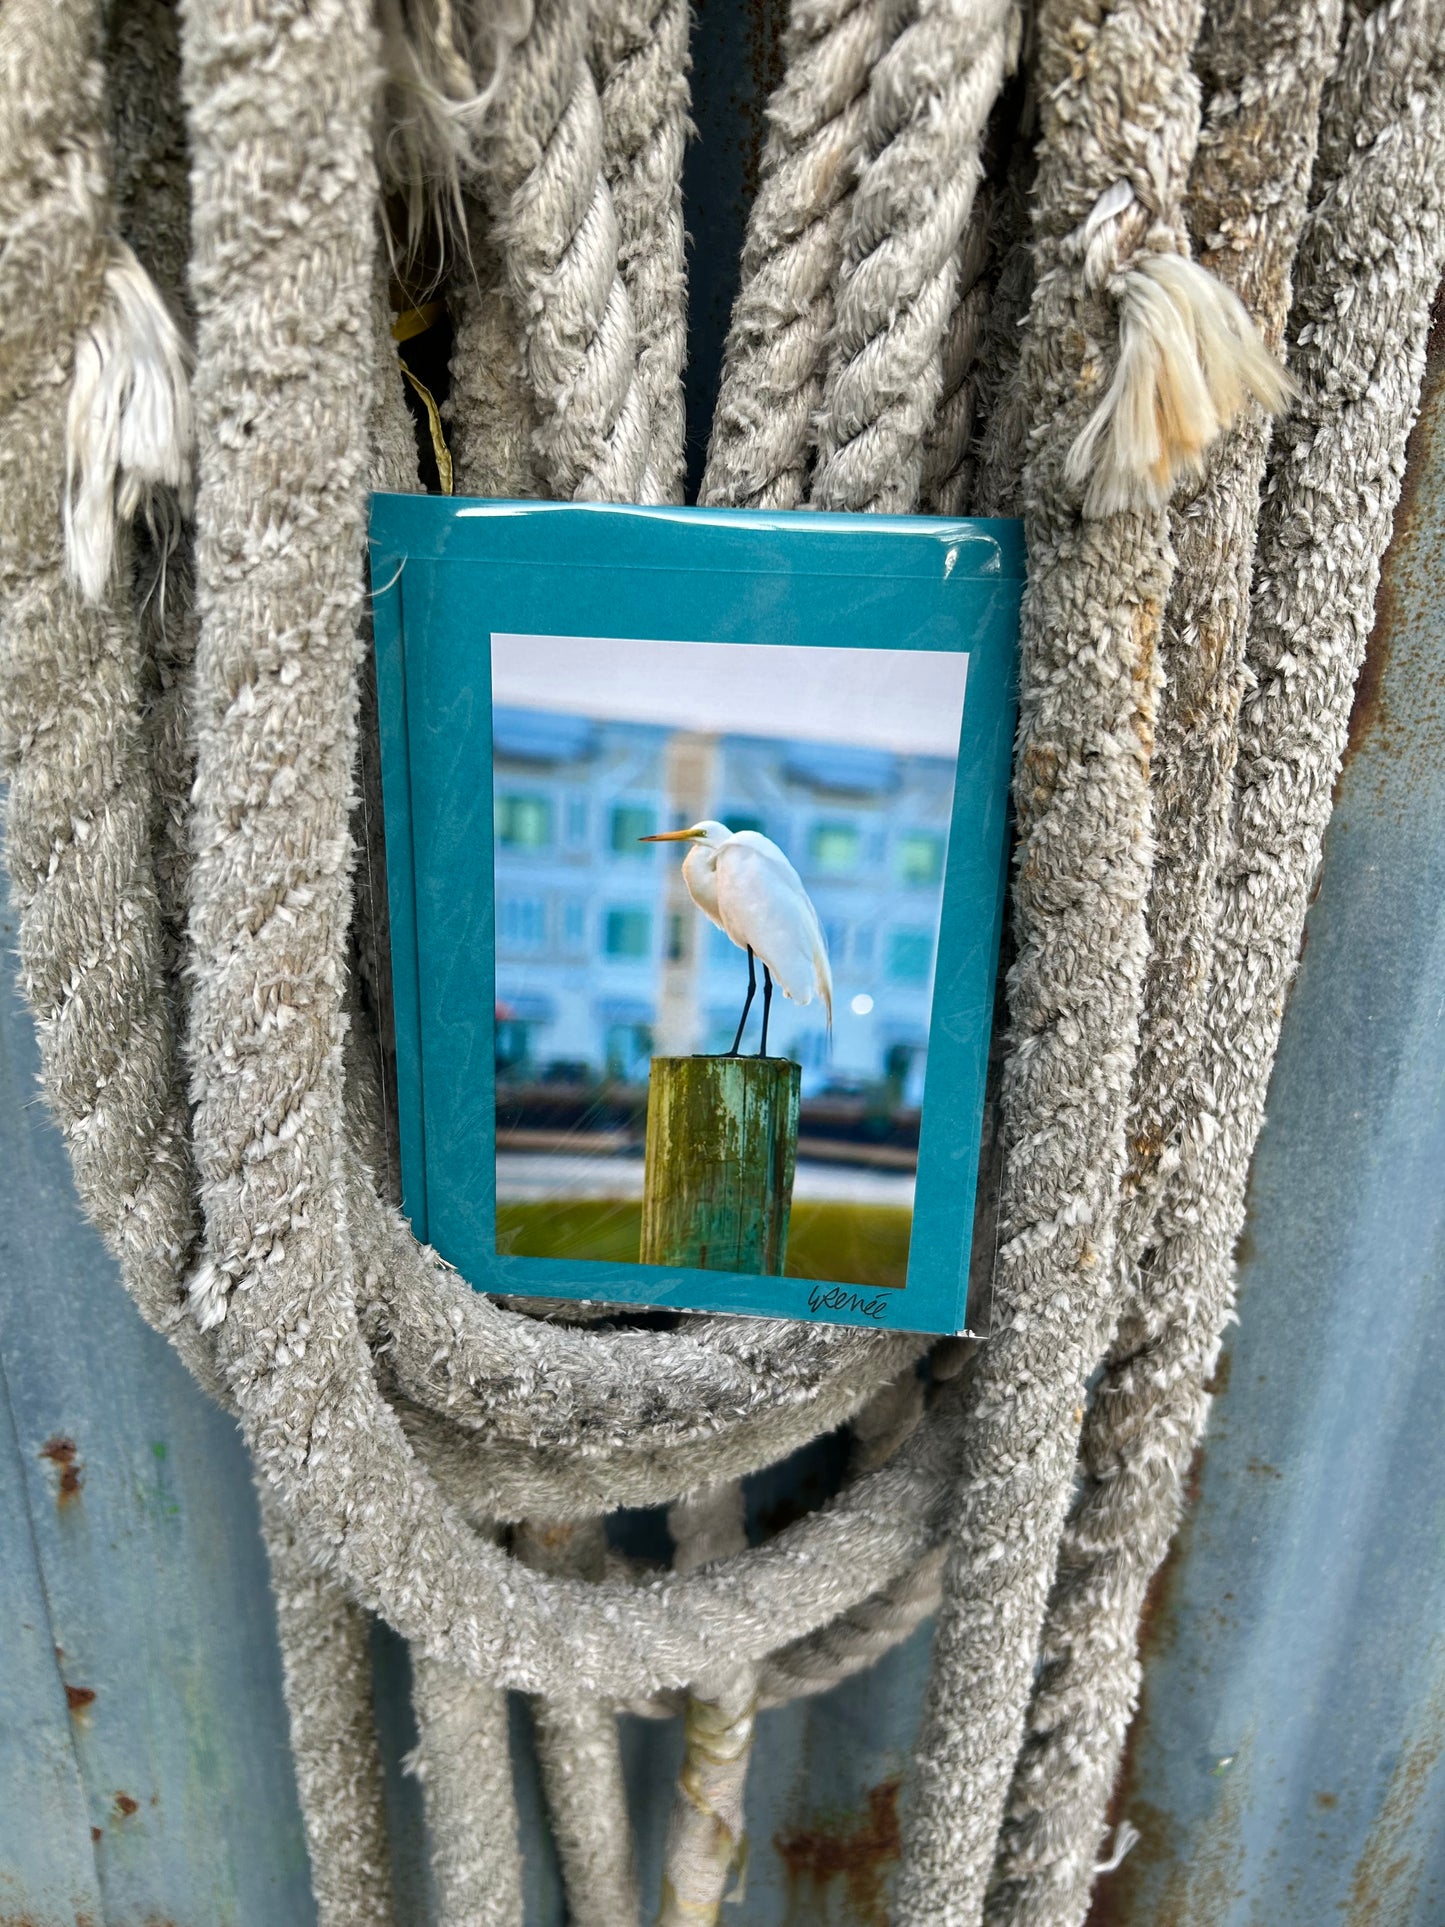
column 672, row 836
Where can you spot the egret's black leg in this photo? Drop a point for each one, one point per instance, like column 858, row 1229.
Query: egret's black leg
column 767, row 1000
column 747, row 1002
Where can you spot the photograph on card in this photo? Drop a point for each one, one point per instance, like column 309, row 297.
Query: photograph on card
column 719, row 875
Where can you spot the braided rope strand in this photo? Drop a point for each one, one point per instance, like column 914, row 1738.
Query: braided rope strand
column 927, row 105
column 946, row 476
column 72, row 730
column 640, row 58
column 326, row 1665
column 463, row 1760
column 1088, row 683
column 556, row 230
column 580, row 1756
column 1080, row 1706
column 774, row 357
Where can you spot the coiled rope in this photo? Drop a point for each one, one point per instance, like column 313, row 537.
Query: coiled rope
column 185, row 873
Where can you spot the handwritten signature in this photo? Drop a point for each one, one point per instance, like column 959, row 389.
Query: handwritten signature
column 837, row 1298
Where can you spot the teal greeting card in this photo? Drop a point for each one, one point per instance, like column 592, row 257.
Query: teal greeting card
column 695, row 835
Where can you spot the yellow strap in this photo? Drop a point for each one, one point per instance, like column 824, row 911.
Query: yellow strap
column 416, row 321
column 438, row 439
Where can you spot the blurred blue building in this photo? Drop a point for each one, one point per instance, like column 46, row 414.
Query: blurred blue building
column 602, row 959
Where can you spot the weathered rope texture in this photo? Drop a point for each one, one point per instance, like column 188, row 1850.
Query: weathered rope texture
column 947, row 478
column 706, row 1841
column 557, row 231
column 928, row 101
column 1305, row 642
column 178, row 726
column 772, row 378
column 1267, row 62
column 463, row 1760
column 78, row 819
column 326, row 1652
column 580, row 1757
column 1088, row 682
column 640, row 59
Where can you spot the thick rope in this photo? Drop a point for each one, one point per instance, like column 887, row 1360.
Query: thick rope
column 928, row 101
column 326, row 1662
column 464, row 1763
column 490, row 419
column 557, row 234
column 1268, row 60
column 706, row 1836
column 1088, row 677
column 580, row 1756
column 773, row 361
column 72, row 729
column 640, row 59
column 1379, row 228
column 1306, row 641
column 947, row 478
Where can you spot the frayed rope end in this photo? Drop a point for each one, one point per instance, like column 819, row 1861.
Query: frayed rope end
column 208, row 1293
column 1189, row 357
column 128, row 428
column 1126, row 1838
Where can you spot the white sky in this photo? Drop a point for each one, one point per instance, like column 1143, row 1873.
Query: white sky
column 907, row 700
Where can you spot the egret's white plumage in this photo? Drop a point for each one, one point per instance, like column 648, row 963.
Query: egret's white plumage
column 743, row 882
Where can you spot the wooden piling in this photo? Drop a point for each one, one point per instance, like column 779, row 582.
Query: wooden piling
column 722, row 1146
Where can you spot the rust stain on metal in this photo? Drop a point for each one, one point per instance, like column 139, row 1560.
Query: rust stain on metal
column 97, row 1834
column 126, row 1804
column 856, row 1851
column 78, row 1698
column 1387, row 1873
column 29, row 1920
column 1202, row 1883
column 62, row 1452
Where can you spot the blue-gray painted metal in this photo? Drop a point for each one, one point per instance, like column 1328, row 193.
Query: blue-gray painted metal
column 144, row 1772
column 1286, row 1769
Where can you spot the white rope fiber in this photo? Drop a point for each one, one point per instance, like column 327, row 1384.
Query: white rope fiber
column 204, row 951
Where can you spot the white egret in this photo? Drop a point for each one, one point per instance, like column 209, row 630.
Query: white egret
column 743, row 882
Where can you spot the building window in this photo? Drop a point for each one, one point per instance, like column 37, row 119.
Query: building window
column 834, row 848
column 744, row 820
column 524, row 822
column 910, row 955
column 521, row 923
column 629, row 933
column 631, row 821
column 920, row 858
column 676, row 937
